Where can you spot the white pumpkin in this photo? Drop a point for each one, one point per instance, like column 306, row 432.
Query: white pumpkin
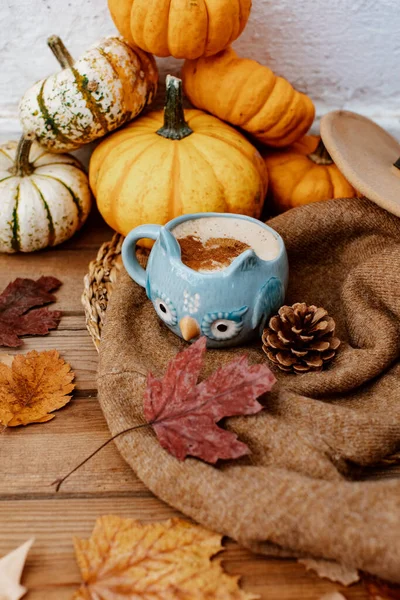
column 107, row 87
column 44, row 198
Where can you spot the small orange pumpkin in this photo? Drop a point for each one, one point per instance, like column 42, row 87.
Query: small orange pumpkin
column 304, row 173
column 182, row 28
column 248, row 95
column 173, row 162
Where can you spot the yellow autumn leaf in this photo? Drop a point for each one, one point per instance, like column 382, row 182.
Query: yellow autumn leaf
column 35, row 385
column 125, row 559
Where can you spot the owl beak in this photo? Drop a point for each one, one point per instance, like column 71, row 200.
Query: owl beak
column 189, row 328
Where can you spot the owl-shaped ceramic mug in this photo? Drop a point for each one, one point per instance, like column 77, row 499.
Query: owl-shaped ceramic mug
column 230, row 305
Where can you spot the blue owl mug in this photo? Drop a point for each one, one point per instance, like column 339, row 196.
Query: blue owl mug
column 228, row 305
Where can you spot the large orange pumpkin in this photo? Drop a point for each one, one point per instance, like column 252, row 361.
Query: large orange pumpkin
column 180, row 28
column 170, row 163
column 248, row 95
column 304, row 173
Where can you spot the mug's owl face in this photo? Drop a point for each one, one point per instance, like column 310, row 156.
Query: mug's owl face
column 192, row 322
column 192, row 314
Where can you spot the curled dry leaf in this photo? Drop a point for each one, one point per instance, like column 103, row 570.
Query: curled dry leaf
column 16, row 315
column 330, row 569
column 125, row 559
column 11, row 567
column 184, row 414
column 35, row 385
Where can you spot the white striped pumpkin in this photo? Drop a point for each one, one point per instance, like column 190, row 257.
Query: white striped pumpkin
column 107, row 87
column 44, row 197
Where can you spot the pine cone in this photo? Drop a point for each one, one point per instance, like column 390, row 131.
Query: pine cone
column 300, row 338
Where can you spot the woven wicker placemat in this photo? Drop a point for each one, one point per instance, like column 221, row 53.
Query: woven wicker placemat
column 99, row 283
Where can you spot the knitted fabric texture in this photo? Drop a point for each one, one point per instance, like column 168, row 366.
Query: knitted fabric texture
column 301, row 492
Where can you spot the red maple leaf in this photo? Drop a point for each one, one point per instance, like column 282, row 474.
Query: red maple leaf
column 17, row 299
column 184, row 414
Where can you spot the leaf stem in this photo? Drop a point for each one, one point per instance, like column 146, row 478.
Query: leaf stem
column 58, row 482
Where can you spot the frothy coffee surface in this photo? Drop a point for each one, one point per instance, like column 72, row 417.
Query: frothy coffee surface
column 213, row 255
column 212, row 243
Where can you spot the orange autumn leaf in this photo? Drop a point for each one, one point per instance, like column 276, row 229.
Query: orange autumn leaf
column 125, row 559
column 35, row 385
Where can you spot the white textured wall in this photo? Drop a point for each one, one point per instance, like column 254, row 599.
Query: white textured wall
column 344, row 53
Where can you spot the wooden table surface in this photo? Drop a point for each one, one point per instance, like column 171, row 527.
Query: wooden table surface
column 33, row 457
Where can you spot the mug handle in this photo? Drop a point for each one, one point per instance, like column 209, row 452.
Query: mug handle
column 129, row 259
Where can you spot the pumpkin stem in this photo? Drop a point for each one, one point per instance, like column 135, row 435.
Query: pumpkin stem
column 175, row 126
column 321, row 156
column 22, row 166
column 61, row 53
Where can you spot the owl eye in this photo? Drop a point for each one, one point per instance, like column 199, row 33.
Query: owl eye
column 165, row 309
column 223, row 325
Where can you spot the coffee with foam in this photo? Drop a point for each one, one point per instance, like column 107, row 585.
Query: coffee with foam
column 212, row 243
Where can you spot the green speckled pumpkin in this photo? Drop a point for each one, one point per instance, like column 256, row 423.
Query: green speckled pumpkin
column 44, row 198
column 107, row 87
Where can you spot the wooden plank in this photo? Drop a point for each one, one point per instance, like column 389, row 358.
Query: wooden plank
column 35, row 456
column 69, row 266
column 51, row 572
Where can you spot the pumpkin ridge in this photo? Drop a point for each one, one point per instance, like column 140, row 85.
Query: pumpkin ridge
column 71, row 164
column 39, row 157
column 51, row 236
column 15, row 242
column 49, row 121
column 99, row 157
column 125, row 91
column 211, row 165
column 6, row 155
column 175, row 195
column 81, row 82
column 146, row 68
column 292, row 121
column 331, row 180
column 74, row 197
column 244, row 84
column 221, row 139
column 284, row 106
column 301, row 181
column 5, row 178
column 244, row 17
column 298, row 122
column 208, row 29
column 118, row 185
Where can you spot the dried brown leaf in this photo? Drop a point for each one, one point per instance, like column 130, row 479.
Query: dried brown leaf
column 125, row 559
column 16, row 315
column 34, row 386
